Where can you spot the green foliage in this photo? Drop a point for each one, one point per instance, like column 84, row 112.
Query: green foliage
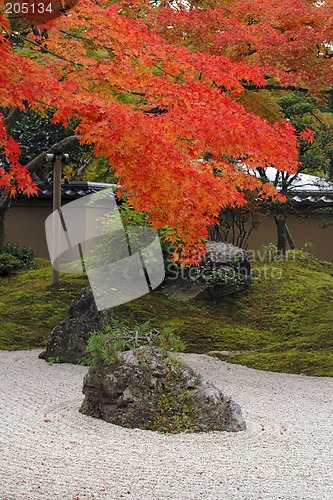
column 270, row 253
column 85, row 362
column 128, row 97
column 113, row 242
column 14, row 256
column 131, row 217
column 118, row 337
column 99, row 171
column 301, row 255
column 23, row 253
column 167, row 339
column 304, row 112
column 51, row 360
column 8, row 264
column 36, row 132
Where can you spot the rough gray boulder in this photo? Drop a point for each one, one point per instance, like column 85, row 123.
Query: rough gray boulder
column 146, row 388
column 224, row 270
column 69, row 338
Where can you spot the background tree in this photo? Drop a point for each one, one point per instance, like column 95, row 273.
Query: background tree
column 313, row 123
column 305, row 112
column 235, row 225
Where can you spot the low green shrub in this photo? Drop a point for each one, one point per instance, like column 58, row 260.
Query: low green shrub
column 270, row 253
column 23, row 253
column 8, row 264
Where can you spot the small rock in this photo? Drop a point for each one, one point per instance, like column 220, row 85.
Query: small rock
column 69, row 338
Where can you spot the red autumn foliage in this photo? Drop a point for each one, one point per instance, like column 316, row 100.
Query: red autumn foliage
column 109, row 65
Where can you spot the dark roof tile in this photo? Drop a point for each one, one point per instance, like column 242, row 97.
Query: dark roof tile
column 69, row 190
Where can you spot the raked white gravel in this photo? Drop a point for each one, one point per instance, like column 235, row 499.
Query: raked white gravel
column 49, row 450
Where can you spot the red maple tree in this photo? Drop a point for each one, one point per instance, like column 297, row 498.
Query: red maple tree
column 154, row 88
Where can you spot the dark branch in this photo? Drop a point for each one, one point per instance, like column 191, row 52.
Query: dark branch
column 84, row 166
column 62, row 146
column 13, row 116
column 250, row 86
column 43, row 48
column 155, row 111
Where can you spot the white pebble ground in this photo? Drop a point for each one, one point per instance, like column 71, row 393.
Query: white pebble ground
column 49, row 450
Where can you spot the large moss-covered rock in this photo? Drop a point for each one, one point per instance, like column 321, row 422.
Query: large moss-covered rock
column 224, row 270
column 69, row 338
column 146, row 388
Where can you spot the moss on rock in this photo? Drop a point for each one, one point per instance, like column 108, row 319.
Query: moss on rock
column 146, row 388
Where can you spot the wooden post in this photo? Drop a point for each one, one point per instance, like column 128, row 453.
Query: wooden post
column 57, row 170
column 58, row 160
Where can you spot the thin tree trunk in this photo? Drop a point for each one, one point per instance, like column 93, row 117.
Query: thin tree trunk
column 2, row 229
column 4, row 205
column 280, row 221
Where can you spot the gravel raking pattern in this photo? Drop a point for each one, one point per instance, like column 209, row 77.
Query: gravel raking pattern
column 49, row 450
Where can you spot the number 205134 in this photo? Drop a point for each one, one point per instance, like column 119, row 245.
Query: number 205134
column 21, row 8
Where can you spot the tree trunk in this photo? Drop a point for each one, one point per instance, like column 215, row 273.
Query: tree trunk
column 2, row 229
column 280, row 221
column 4, row 204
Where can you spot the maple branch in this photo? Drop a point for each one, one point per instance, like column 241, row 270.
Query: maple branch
column 71, row 35
column 46, row 50
column 155, row 111
column 316, row 117
column 85, row 40
column 272, row 86
column 84, row 166
column 62, row 146
column 13, row 116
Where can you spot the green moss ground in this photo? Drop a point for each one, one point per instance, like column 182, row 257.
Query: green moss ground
column 286, row 324
column 30, row 306
column 277, row 324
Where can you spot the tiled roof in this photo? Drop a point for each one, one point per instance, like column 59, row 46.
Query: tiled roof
column 307, row 190
column 71, row 190
column 314, row 200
